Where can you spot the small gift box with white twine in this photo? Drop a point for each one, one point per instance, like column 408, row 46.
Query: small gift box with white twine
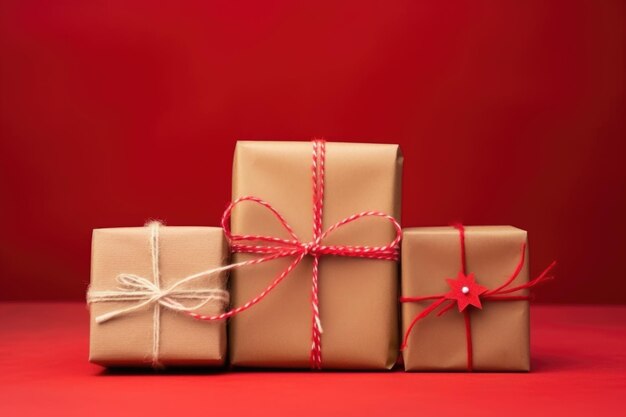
column 142, row 279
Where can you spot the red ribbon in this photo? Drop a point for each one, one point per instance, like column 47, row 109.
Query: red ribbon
column 274, row 248
column 464, row 291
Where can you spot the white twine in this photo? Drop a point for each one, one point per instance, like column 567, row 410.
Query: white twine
column 146, row 292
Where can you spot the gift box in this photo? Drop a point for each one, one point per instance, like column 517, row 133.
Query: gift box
column 347, row 317
column 143, row 281
column 465, row 298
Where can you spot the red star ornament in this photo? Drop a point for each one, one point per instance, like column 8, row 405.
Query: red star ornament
column 465, row 291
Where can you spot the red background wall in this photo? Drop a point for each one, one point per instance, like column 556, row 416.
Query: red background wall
column 507, row 112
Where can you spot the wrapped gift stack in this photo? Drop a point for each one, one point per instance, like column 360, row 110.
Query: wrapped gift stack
column 304, row 272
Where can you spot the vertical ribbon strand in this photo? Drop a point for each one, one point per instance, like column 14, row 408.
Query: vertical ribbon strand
column 466, row 313
column 318, row 210
column 156, row 276
column 468, row 339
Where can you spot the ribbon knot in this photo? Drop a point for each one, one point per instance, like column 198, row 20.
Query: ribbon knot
column 310, row 248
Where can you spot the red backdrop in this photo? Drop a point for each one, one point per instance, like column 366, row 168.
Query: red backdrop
column 507, row 112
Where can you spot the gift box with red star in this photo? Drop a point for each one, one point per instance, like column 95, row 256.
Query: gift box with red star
column 465, row 293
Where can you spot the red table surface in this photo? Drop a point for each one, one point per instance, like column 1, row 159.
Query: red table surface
column 579, row 364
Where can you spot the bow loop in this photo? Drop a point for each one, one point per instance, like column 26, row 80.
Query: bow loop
column 132, row 283
column 233, row 238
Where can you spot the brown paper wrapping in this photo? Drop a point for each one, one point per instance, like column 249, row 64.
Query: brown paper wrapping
column 358, row 297
column 127, row 340
column 500, row 331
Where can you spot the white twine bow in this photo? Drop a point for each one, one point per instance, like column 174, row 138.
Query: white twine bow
column 136, row 288
column 147, row 292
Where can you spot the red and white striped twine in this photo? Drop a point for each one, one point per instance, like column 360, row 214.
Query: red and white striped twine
column 280, row 248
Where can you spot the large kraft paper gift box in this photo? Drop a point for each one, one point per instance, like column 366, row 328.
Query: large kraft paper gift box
column 432, row 264
column 129, row 266
column 357, row 297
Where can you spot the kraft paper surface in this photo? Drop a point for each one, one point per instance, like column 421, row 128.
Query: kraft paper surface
column 500, row 331
column 358, row 297
column 127, row 340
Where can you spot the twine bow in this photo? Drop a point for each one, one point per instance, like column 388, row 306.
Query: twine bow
column 147, row 292
column 274, row 248
column 464, row 291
